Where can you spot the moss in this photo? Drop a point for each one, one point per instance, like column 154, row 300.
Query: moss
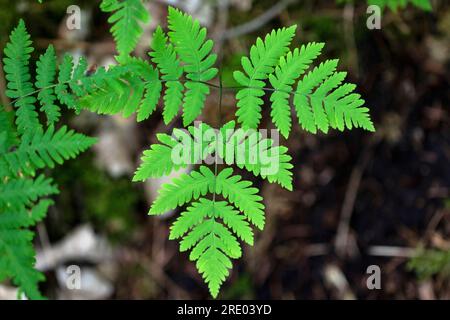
column 91, row 195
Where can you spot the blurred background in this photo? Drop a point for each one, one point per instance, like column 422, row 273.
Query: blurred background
column 359, row 199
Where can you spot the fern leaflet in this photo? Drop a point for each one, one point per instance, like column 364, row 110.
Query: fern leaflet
column 126, row 17
column 189, row 42
column 16, row 61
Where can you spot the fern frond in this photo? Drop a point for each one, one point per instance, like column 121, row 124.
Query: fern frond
column 269, row 161
column 133, row 87
column 208, row 227
column 302, row 101
column 18, row 259
column 8, row 136
column 244, row 148
column 78, row 74
column 164, row 56
column 127, row 15
column 317, row 98
column 289, row 69
column 43, row 149
column 264, row 56
column 213, row 244
column 45, row 76
column 152, row 89
column 248, row 149
column 16, row 247
column 62, row 87
column 182, row 190
column 173, row 153
column 242, row 195
column 188, row 39
column 17, row 193
column 17, row 73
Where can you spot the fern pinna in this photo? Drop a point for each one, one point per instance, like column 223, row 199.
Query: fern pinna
column 27, row 146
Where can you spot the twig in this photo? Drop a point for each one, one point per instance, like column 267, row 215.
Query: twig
column 349, row 202
column 258, row 22
column 387, row 251
column 349, row 33
column 222, row 22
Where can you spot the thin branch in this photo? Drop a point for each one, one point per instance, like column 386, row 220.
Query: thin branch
column 341, row 240
column 388, row 251
column 257, row 22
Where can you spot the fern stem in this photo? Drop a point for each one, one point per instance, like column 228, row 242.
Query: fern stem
column 220, row 87
column 220, row 125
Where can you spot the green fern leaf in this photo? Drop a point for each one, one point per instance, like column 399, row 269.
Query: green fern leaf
column 18, row 259
column 304, row 89
column 62, row 88
column 76, row 82
column 162, row 159
column 188, row 39
column 264, row 56
column 245, row 148
column 290, row 68
column 16, row 61
column 46, row 73
column 182, row 190
column 43, row 149
column 164, row 56
column 213, row 244
column 16, row 193
column 241, row 195
column 8, row 136
column 126, row 18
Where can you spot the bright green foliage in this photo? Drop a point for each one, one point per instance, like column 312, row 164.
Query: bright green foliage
column 29, row 147
column 8, row 136
column 290, row 68
column 42, row 149
column 45, row 76
column 211, row 229
column 184, row 52
column 189, row 42
column 264, row 57
column 16, row 61
column 164, row 56
column 126, row 18
column 244, row 148
column 428, row 263
column 396, row 4
column 212, row 240
column 200, row 228
column 128, row 88
column 222, row 206
column 17, row 193
column 16, row 247
column 160, row 159
column 248, row 149
column 21, row 203
column 321, row 99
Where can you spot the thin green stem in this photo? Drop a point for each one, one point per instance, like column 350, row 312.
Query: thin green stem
column 220, row 87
